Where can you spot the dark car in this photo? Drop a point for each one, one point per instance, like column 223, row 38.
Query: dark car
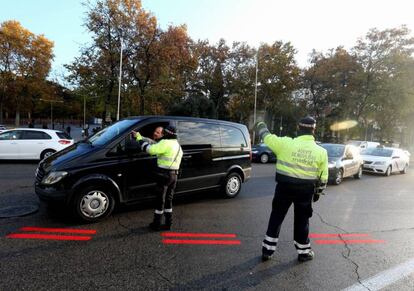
column 261, row 153
column 95, row 174
column 344, row 161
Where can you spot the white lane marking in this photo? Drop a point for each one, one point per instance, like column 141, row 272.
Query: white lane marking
column 384, row 278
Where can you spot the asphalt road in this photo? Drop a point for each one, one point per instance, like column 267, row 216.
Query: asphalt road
column 124, row 254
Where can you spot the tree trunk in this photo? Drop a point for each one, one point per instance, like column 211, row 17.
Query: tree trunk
column 17, row 120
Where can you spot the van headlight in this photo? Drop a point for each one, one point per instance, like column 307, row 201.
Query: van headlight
column 54, row 177
column 380, row 163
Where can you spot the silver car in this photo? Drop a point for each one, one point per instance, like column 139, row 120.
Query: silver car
column 344, row 161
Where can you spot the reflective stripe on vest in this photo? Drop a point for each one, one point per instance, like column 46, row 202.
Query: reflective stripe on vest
column 299, row 158
column 168, row 152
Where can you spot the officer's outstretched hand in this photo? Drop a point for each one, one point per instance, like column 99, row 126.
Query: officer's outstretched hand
column 136, row 135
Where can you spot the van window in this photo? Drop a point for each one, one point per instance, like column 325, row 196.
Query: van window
column 232, row 137
column 109, row 133
column 198, row 133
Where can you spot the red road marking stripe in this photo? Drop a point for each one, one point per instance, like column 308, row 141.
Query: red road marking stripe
column 48, row 236
column 201, row 242
column 213, row 235
column 321, row 235
column 348, row 241
column 62, row 230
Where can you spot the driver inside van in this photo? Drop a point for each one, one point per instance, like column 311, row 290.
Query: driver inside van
column 157, row 135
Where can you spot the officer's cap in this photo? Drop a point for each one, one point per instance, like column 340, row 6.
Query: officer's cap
column 307, row 122
column 170, row 131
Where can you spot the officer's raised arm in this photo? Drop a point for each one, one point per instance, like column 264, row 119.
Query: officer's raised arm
column 273, row 141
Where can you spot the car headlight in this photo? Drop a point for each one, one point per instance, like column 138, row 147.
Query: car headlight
column 255, row 152
column 54, row 177
column 380, row 163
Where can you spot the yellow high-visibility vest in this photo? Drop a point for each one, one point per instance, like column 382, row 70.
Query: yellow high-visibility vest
column 168, row 152
column 299, row 157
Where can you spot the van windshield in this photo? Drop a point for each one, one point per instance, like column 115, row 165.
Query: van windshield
column 110, row 132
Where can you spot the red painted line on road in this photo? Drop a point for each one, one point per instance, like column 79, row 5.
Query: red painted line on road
column 62, row 230
column 348, row 241
column 321, row 235
column 212, row 235
column 201, row 242
column 48, row 236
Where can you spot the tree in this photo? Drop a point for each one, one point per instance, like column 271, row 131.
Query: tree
column 384, row 56
column 25, row 63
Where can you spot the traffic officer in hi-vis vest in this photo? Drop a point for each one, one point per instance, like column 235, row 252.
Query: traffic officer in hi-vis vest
column 301, row 176
column 169, row 154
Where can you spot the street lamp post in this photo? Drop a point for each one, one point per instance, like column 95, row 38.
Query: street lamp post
column 120, row 81
column 51, row 109
column 255, row 95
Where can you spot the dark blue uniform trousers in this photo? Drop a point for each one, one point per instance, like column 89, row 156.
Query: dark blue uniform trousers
column 285, row 195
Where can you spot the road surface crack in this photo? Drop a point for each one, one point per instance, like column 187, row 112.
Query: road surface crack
column 346, row 256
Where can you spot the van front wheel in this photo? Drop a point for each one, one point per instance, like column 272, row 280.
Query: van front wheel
column 232, row 185
column 93, row 204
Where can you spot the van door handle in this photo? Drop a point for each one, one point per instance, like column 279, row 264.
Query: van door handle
column 187, row 157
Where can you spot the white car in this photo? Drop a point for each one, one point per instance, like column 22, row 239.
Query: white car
column 385, row 161
column 32, row 143
column 2, row 128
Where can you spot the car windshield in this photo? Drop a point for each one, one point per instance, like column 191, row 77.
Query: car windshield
column 380, row 152
column 110, row 132
column 334, row 150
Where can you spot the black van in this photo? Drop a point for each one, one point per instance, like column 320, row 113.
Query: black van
column 95, row 174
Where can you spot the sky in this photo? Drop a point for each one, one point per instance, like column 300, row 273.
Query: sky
column 307, row 24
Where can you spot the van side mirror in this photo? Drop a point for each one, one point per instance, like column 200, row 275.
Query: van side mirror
column 132, row 146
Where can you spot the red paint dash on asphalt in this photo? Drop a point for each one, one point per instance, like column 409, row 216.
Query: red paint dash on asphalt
column 200, row 242
column 61, row 230
column 348, row 241
column 212, row 235
column 48, row 236
column 321, row 235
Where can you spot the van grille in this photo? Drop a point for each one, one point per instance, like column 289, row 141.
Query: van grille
column 40, row 173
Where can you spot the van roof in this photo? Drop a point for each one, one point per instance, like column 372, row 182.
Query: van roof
column 185, row 118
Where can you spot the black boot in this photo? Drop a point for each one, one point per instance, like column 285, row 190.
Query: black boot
column 168, row 221
column 306, row 257
column 156, row 223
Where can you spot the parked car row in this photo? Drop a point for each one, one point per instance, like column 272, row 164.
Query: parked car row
column 351, row 159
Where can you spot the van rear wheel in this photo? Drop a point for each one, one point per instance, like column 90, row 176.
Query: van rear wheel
column 232, row 185
column 93, row 203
